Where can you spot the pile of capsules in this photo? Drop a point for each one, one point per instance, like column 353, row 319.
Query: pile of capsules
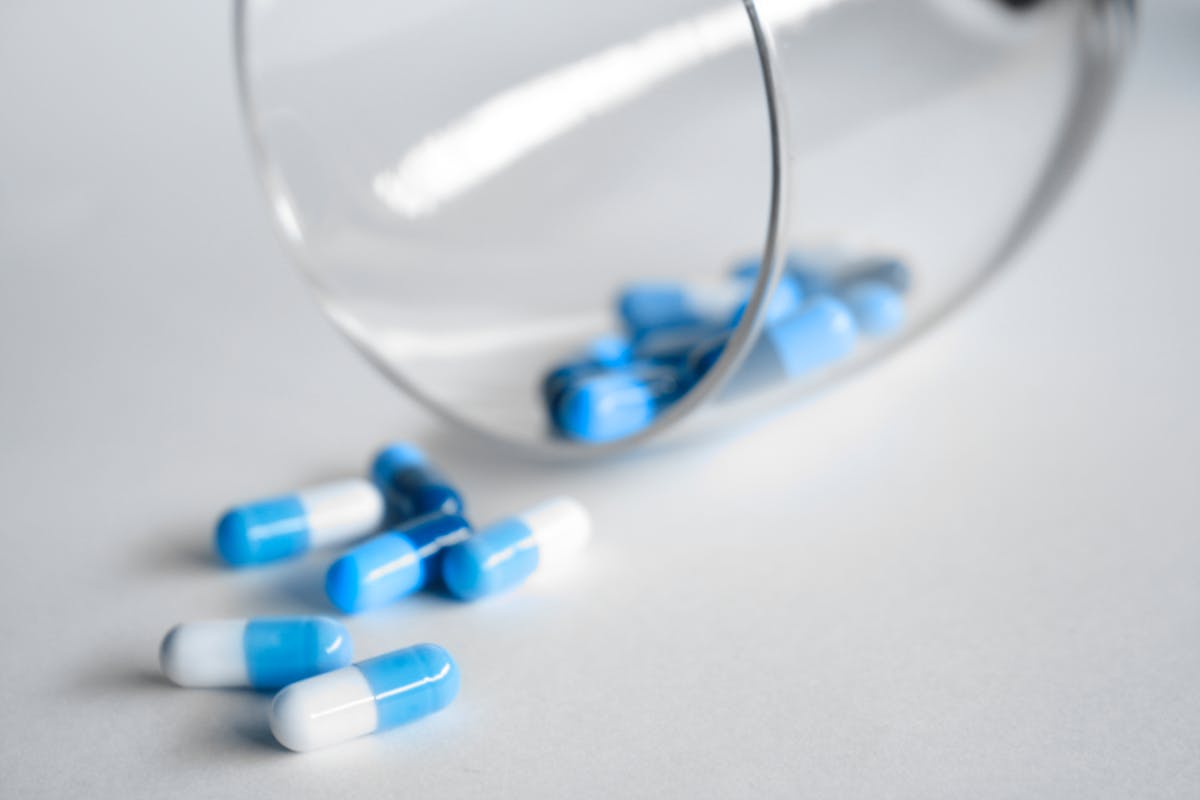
column 425, row 541
column 674, row 332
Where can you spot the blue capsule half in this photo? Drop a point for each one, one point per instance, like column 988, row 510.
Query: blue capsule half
column 411, row 485
column 822, row 332
column 393, row 564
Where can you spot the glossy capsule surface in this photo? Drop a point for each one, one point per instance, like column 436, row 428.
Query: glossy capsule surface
column 288, row 525
column 371, row 696
column 394, row 564
column 263, row 653
column 411, row 485
column 505, row 555
column 610, row 405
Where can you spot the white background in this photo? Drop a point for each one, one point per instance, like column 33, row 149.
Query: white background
column 973, row 572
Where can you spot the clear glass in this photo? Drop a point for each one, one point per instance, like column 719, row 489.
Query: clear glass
column 477, row 189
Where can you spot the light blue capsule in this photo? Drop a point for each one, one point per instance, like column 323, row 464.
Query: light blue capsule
column 411, row 485
column 281, row 527
column 821, row 333
column 503, row 556
column 264, row 653
column 374, row 695
column 411, row 683
column 611, row 405
column 878, row 307
column 393, row 564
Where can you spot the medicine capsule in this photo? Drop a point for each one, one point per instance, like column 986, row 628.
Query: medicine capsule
column 614, row 404
column 264, row 653
column 505, row 555
column 370, row 696
column 604, row 353
column 411, row 485
column 664, row 304
column 877, row 306
column 821, row 332
column 393, row 564
column 279, row 527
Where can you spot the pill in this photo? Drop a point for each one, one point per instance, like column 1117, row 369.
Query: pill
column 264, row 653
column 614, row 404
column 367, row 697
column 664, row 304
column 393, row 564
column 822, row 332
column 506, row 554
column 603, row 353
column 877, row 306
column 411, row 485
column 331, row 514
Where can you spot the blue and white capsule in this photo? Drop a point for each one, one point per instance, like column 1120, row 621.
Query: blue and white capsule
column 611, row 405
column 280, row 527
column 505, row 555
column 653, row 305
column 371, row 696
column 263, row 653
column 821, row 333
column 394, row 564
column 411, row 486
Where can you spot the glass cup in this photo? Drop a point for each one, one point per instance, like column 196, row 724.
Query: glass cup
column 574, row 226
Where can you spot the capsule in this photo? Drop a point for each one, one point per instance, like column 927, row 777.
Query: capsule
column 370, row 696
column 411, row 485
column 606, row 352
column 506, row 554
column 263, row 653
column 280, row 527
column 665, row 304
column 822, row 332
column 394, row 564
column 611, row 405
column 877, row 306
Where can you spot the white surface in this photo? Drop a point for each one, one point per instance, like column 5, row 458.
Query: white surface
column 209, row 653
column 561, row 527
column 972, row 573
column 324, row 710
column 342, row 511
